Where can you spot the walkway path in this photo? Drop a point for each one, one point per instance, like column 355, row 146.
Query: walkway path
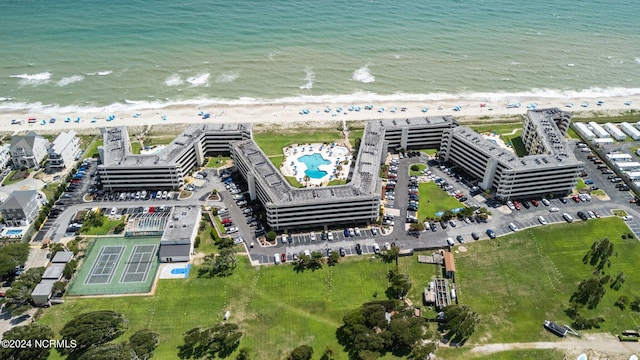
column 597, row 346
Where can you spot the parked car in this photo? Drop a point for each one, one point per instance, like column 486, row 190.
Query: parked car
column 358, row 249
column 491, row 234
column 475, row 236
column 542, row 220
column 568, row 218
column 513, row 227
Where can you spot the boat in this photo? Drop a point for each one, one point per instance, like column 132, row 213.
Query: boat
column 555, row 328
column 513, row 105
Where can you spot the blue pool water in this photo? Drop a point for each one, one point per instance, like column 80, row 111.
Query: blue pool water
column 182, row 271
column 13, row 232
column 313, row 162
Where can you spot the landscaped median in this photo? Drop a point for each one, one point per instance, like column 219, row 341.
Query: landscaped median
column 434, row 200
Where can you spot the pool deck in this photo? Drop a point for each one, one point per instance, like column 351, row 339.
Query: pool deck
column 291, row 166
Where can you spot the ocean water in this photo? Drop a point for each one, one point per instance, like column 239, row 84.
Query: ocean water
column 129, row 53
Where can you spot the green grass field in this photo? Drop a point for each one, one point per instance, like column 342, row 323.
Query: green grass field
column 521, row 279
column 106, row 228
column 514, row 283
column 497, row 128
column 272, row 142
column 417, row 173
column 217, row 161
column 135, row 147
column 433, row 200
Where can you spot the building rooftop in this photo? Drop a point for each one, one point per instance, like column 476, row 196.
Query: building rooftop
column 44, row 288
column 62, row 141
column 117, row 152
column 62, row 257
column 364, row 180
column 449, row 263
column 18, row 199
column 53, row 271
column 561, row 154
column 171, row 250
column 414, row 122
column 180, row 225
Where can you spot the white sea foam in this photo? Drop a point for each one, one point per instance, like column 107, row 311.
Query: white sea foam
column 173, row 80
column 310, row 77
column 33, row 79
column 199, row 80
column 105, row 72
column 363, row 75
column 69, row 80
column 227, row 77
column 360, row 97
column 637, row 59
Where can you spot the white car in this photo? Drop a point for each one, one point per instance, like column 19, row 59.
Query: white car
column 284, row 238
column 313, row 236
column 627, row 218
column 510, row 205
column 545, row 202
column 232, row 230
column 330, row 236
column 374, row 231
column 357, row 231
column 542, row 220
column 513, row 227
column 387, row 246
column 554, row 209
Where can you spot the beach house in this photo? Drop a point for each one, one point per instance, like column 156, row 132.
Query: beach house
column 28, row 150
column 21, row 208
column 63, row 151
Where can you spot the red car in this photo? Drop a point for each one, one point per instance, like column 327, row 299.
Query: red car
column 283, row 257
column 227, row 221
column 517, row 205
column 576, row 199
column 535, row 203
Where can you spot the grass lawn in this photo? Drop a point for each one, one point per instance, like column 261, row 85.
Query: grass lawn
column 272, row 142
column 337, row 182
column 106, row 228
column 13, row 177
column 581, row 185
column 276, row 160
column 355, row 134
column 92, row 149
column 417, row 173
column 277, row 308
column 430, row 152
column 220, row 226
column 49, row 190
column 135, row 147
column 516, row 143
column 464, row 353
column 294, row 182
column 571, row 134
column 217, row 161
column 631, row 116
column 519, row 280
column 433, row 200
column 158, row 140
column 497, row 128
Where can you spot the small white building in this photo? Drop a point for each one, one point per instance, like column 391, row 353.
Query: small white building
column 619, row 158
column 630, row 130
column 583, row 130
column 633, row 175
column 598, row 130
column 603, row 141
column 629, row 166
column 615, row 132
column 63, row 151
column 42, row 292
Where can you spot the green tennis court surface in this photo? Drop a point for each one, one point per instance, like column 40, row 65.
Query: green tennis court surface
column 117, row 266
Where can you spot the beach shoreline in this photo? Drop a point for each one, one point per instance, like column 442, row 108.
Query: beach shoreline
column 294, row 112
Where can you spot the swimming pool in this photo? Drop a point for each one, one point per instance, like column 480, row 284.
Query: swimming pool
column 13, row 232
column 313, row 163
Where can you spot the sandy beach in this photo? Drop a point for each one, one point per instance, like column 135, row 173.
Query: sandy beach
column 469, row 110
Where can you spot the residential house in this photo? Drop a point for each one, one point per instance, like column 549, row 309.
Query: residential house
column 21, row 208
column 28, row 150
column 63, row 151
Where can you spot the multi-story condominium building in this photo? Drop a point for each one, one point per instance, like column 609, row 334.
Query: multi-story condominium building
column 63, row 151
column 28, row 150
column 551, row 167
column 5, row 156
column 21, row 208
column 416, row 133
column 165, row 169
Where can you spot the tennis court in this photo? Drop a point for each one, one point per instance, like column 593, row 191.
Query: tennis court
column 103, row 269
column 117, row 266
column 139, row 263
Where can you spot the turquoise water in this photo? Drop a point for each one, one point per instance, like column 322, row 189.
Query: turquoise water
column 13, row 232
column 313, row 163
column 130, row 53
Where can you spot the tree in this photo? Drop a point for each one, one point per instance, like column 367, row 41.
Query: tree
column 223, row 264
column 622, row 302
column 12, row 255
column 589, row 292
column 58, row 288
column 69, row 269
column 399, row 284
column 419, row 226
column 422, row 351
column 460, row 322
column 31, row 332
column 483, row 213
column 18, row 298
column 316, row 260
column 56, row 248
column 635, row 304
column 92, row 329
column 333, row 259
column 328, row 354
column 303, row 263
column 113, row 351
column 302, row 352
column 220, row 340
column 415, row 167
column 119, row 228
column 143, row 342
column 243, row 354
column 616, row 284
column 271, row 235
column 599, row 254
column 391, row 254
